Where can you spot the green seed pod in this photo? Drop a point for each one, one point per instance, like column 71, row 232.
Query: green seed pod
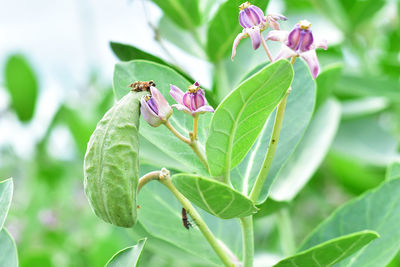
column 111, row 165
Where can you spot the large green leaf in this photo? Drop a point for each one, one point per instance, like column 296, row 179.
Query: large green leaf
column 160, row 214
column 128, row 52
column 8, row 250
column 309, row 153
column 393, row 171
column 185, row 14
column 128, row 256
column 326, row 82
column 377, row 210
column 139, row 70
column 224, row 27
column 299, row 109
column 21, row 83
column 240, row 117
column 331, row 251
column 214, row 197
column 6, row 193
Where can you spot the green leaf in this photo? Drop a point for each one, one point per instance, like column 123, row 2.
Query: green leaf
column 299, row 109
column 393, row 171
column 6, row 193
column 224, row 27
column 326, row 82
column 128, row 256
column 126, row 73
column 309, row 153
column 21, row 83
column 374, row 144
column 377, row 210
column 214, row 197
column 160, row 214
column 185, row 14
column 128, row 52
column 8, row 250
column 351, row 85
column 331, row 251
column 359, row 11
column 240, row 117
column 363, row 106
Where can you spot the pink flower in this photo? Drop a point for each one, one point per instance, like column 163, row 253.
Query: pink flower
column 154, row 108
column 192, row 102
column 253, row 21
column 299, row 43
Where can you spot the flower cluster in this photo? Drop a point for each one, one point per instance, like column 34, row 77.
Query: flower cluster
column 156, row 110
column 299, row 42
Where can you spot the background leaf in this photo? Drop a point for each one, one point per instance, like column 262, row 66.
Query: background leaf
column 331, row 251
column 214, row 197
column 299, row 109
column 224, row 27
column 22, row 84
column 8, row 250
column 6, row 193
column 377, row 210
column 161, row 138
column 393, row 171
column 185, row 14
column 309, row 153
column 239, row 119
column 128, row 256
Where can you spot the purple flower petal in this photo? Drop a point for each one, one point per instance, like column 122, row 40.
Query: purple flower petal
column 310, row 57
column 255, row 36
column 148, row 114
column 238, row 38
column 244, row 20
column 183, row 108
column 164, row 109
column 186, row 101
column 198, row 100
column 285, row 52
column 203, row 109
column 280, row 36
column 320, row 44
column 176, row 93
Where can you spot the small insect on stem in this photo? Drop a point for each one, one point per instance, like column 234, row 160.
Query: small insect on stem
column 142, row 86
column 185, row 220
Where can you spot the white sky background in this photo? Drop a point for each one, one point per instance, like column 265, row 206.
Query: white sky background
column 65, row 40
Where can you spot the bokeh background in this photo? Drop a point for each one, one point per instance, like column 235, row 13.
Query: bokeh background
column 56, row 69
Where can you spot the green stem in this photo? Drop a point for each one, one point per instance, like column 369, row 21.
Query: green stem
column 199, row 222
column 155, row 175
column 273, row 143
column 176, row 133
column 286, row 232
column 248, row 240
column 200, row 154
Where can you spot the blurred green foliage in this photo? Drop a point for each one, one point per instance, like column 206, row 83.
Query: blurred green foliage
column 50, row 218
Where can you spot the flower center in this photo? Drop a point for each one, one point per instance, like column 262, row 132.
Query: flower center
column 304, row 24
column 193, row 89
column 244, row 5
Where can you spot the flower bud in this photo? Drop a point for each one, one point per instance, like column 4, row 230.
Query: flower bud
column 250, row 15
column 154, row 108
column 301, row 38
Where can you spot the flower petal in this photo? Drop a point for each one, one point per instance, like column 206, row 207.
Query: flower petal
column 310, row 57
column 285, row 52
column 187, row 100
column 164, row 109
column 255, row 36
column 238, row 38
column 176, row 94
column 203, row 109
column 280, row 36
column 183, row 108
column 320, row 44
column 148, row 114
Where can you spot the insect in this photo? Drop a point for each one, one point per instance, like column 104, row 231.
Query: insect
column 142, row 86
column 185, row 220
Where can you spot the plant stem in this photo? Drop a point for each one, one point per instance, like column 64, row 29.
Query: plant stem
column 248, row 240
column 266, row 49
column 200, row 154
column 155, row 175
column 195, row 122
column 199, row 221
column 176, row 133
column 286, row 232
column 273, row 143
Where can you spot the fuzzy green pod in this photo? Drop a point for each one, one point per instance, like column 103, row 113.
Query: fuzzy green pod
column 111, row 165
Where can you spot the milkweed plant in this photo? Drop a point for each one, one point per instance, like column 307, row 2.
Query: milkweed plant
column 195, row 166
